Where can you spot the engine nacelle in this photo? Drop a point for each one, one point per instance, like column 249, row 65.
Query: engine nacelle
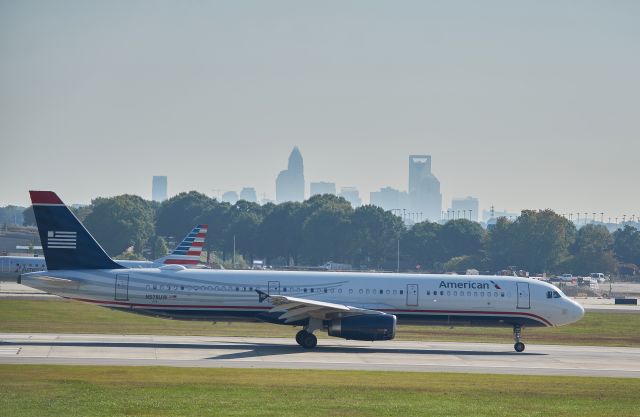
column 365, row 327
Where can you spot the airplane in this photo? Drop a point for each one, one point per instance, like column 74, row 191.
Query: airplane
column 187, row 253
column 349, row 305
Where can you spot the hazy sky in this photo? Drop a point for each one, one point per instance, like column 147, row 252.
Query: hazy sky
column 524, row 104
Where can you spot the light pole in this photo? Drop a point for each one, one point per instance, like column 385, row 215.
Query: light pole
column 601, row 217
column 470, row 210
column 234, row 251
column 398, row 261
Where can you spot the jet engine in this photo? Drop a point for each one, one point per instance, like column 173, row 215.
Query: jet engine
column 367, row 327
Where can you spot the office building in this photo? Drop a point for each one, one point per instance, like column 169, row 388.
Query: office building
column 322, row 188
column 290, row 182
column 249, row 194
column 159, row 188
column 425, row 198
column 352, row 195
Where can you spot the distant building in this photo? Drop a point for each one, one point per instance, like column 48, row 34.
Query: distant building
column 467, row 208
column 390, row 199
column 493, row 214
column 425, row 198
column 159, row 188
column 352, row 195
column 230, row 197
column 249, row 194
column 290, row 182
column 322, row 188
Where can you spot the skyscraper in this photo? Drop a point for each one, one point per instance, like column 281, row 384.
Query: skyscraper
column 159, row 188
column 290, row 182
column 424, row 188
column 468, row 208
column 248, row 194
column 316, row 188
column 390, row 199
column 352, row 195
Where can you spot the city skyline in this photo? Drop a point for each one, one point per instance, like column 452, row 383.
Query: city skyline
column 96, row 98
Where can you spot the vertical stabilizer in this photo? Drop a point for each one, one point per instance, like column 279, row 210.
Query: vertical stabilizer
column 65, row 242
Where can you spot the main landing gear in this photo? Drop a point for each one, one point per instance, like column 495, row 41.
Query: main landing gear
column 517, row 334
column 306, row 339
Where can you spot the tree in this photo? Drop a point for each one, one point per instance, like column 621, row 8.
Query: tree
column 373, row 235
column 325, row 234
column 28, row 217
column 280, row 233
column 244, row 221
column 461, row 237
column 592, row 250
column 626, row 245
column 179, row 214
column 421, row 245
column 121, row 222
column 538, row 241
column 159, row 247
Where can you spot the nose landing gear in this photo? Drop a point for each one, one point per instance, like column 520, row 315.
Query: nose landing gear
column 517, row 334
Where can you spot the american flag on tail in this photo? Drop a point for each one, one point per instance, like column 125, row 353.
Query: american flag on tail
column 189, row 250
column 61, row 240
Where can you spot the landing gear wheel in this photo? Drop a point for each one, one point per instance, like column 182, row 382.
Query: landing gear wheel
column 517, row 334
column 309, row 341
column 300, row 336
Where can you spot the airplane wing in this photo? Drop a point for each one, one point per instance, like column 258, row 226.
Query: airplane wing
column 295, row 309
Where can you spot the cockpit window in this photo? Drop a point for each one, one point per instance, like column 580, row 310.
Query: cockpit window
column 553, row 294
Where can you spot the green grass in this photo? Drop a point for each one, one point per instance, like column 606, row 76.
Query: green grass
column 37, row 390
column 52, row 316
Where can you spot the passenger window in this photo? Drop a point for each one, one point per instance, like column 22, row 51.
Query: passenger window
column 401, row 292
column 340, row 290
column 455, row 293
column 305, row 290
column 350, row 290
column 381, row 292
column 448, row 293
column 388, row 292
column 361, row 291
column 325, row 290
column 468, row 293
column 367, row 291
column 395, row 292
column 428, row 292
column 441, row 292
column 502, row 294
column 311, row 290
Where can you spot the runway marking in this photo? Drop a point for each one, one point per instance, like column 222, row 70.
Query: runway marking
column 10, row 350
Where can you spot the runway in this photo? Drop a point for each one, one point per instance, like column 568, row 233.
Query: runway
column 335, row 354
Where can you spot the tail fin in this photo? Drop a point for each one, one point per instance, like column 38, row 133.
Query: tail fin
column 65, row 241
column 189, row 250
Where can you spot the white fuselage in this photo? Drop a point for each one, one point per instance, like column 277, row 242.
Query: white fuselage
column 231, row 295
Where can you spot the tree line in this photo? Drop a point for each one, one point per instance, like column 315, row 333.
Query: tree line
column 327, row 228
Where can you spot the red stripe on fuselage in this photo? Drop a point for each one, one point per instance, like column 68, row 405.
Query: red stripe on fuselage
column 197, row 244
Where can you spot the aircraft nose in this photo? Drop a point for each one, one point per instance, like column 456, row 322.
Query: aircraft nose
column 577, row 311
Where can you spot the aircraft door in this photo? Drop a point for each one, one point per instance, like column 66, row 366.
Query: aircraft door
column 524, row 298
column 122, row 287
column 412, row 294
column 274, row 288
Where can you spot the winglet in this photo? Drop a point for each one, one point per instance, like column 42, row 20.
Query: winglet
column 262, row 295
